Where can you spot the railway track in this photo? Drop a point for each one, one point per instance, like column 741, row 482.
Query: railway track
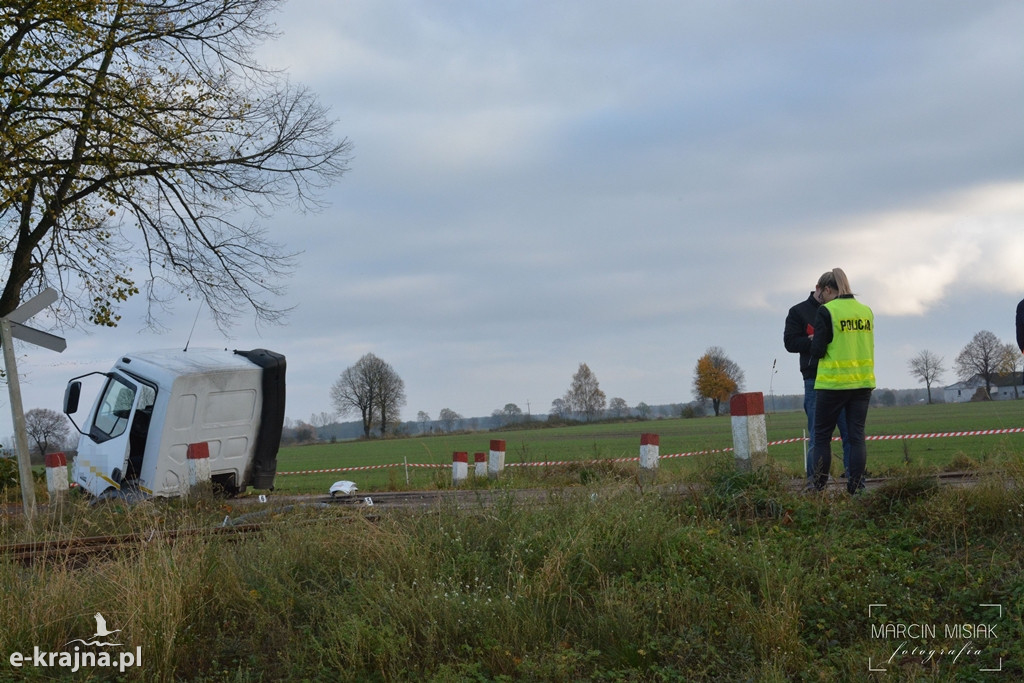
column 426, row 499
column 76, row 551
column 469, row 497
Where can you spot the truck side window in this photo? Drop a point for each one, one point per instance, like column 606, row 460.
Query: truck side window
column 114, row 410
column 147, row 398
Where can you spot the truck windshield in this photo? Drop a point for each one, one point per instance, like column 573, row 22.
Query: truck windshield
column 114, row 410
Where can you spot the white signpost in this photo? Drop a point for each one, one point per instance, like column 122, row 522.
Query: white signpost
column 12, row 327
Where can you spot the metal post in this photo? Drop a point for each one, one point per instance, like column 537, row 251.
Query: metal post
column 28, row 490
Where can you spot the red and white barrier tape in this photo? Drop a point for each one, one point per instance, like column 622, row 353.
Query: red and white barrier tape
column 553, row 463
column 981, row 432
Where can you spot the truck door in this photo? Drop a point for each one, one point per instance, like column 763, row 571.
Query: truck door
column 103, row 457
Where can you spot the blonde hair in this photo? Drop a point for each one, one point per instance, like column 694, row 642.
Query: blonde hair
column 837, row 280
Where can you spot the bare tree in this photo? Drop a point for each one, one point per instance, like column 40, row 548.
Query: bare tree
column 559, row 408
column 928, row 368
column 584, row 396
column 448, row 418
column 47, row 428
column 424, row 419
column 352, row 393
column 643, row 410
column 983, row 357
column 143, row 133
column 305, row 432
column 512, row 412
column 390, row 395
column 1010, row 363
column 321, row 419
column 618, row 407
column 372, row 389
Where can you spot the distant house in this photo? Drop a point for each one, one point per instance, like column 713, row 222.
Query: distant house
column 1004, row 386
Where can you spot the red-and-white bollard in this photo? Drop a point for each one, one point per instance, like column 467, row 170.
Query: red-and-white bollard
column 57, row 476
column 480, row 464
column 649, row 447
column 749, row 433
column 198, row 463
column 460, row 466
column 496, row 458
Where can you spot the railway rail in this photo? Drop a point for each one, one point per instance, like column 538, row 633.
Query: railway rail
column 76, row 551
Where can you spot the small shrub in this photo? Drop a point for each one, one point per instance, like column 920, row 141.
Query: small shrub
column 690, row 411
column 902, row 488
column 8, row 473
column 961, row 462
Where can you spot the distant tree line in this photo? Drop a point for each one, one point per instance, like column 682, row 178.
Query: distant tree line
column 373, row 390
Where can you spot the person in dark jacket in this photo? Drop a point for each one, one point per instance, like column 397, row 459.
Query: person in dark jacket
column 1020, row 326
column 844, row 345
column 797, row 337
column 1020, row 329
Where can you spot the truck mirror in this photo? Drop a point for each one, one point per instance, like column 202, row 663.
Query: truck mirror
column 71, row 395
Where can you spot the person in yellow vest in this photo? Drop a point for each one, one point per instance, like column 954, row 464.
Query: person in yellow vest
column 844, row 344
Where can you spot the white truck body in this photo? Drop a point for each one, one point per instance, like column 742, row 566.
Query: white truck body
column 154, row 405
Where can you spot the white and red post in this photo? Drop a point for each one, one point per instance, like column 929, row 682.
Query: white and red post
column 198, row 463
column 480, row 464
column 496, row 458
column 649, row 447
column 57, row 476
column 460, row 467
column 749, row 433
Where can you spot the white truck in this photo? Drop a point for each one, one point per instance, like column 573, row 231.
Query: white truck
column 152, row 406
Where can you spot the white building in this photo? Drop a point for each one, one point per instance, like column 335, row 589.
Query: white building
column 1004, row 386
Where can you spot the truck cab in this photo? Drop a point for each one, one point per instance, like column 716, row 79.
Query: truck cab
column 152, row 406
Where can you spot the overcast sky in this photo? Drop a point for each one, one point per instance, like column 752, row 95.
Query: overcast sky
column 540, row 184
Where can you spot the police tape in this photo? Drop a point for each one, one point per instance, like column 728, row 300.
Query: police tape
column 558, row 463
column 935, row 435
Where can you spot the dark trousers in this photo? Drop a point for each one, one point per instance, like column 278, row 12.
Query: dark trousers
column 828, row 404
column 809, row 394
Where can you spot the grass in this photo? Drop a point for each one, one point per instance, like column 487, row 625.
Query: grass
column 622, row 440
column 741, row 580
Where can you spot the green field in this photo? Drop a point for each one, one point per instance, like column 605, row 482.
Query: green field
column 611, row 441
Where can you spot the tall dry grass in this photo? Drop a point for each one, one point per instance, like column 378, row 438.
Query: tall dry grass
column 739, row 579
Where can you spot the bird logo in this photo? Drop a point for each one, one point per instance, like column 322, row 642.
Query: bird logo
column 101, row 632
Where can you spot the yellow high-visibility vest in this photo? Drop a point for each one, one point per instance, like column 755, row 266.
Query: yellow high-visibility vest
column 849, row 361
